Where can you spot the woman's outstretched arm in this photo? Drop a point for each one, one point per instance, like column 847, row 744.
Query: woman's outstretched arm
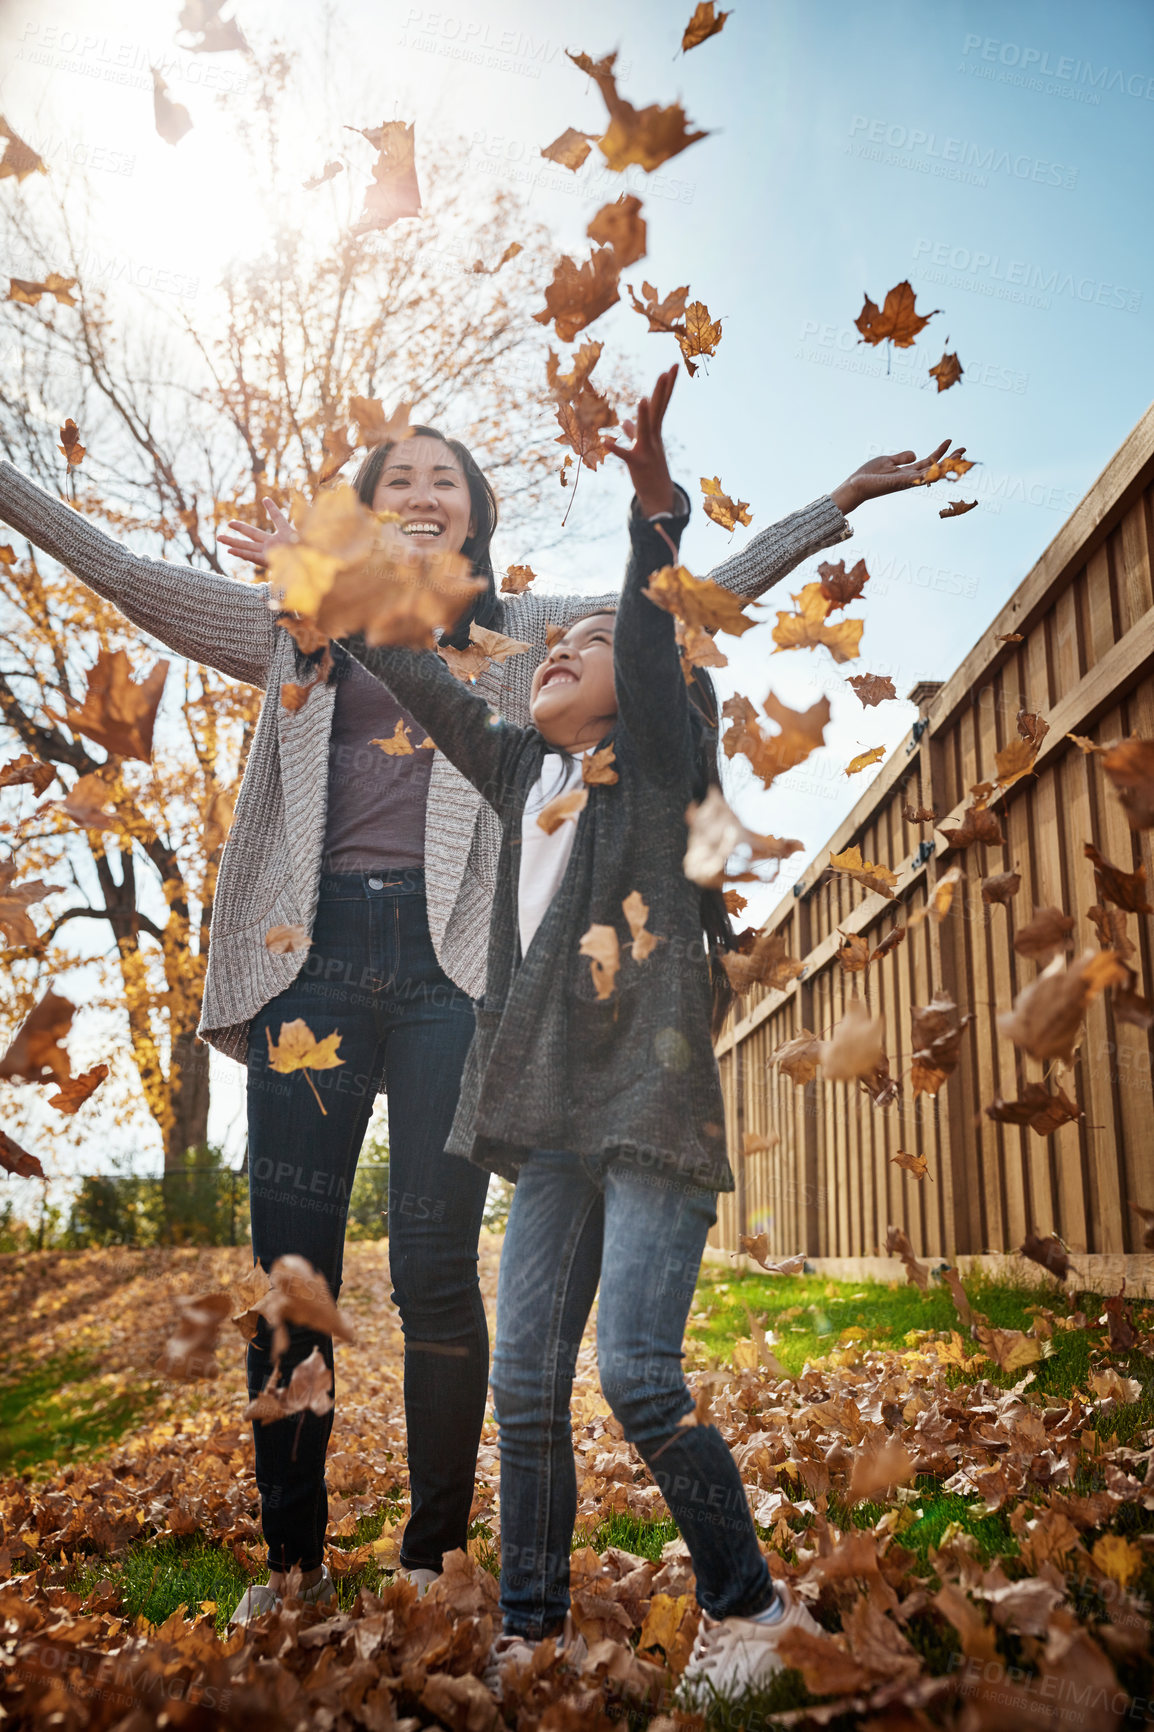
column 213, row 620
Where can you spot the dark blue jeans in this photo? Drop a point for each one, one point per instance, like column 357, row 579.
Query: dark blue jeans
column 639, row 1231
column 372, row 976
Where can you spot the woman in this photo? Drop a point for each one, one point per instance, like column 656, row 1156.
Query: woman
column 389, row 864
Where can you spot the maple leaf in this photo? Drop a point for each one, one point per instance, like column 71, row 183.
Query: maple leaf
column 1130, row 766
column 864, row 760
column 872, row 688
column 897, row 1245
column 702, row 25
column 35, row 1054
column 735, row 903
column 286, row 940
column 854, row 953
column 485, row 648
column 399, row 744
column 897, row 321
column 636, row 911
column 978, row 824
column 1042, row 1111
column 1010, row 1349
column 953, row 465
column 309, row 1389
column 799, row 1057
column 698, row 601
column 1045, row 936
column 570, row 148
column 1118, row 1558
column 375, row 426
column 807, row 628
column 621, row 226
column 597, row 768
column 958, row 508
column 117, row 714
column 753, row 1143
column 698, row 649
column 947, row 372
column 329, row 172
column 936, row 1039
column 190, row 1351
column 479, row 269
column 838, row 586
column 16, row 1160
column 600, row 944
column 298, row 1049
column 337, row 448
column 578, row 294
column 554, row 813
column 889, row 943
column 1127, row 890
column 15, row 900
column 27, row 294
column 1001, row 887
column 802, row 732
column 517, row 579
column 172, row 119
column 300, row 1294
column 940, row 899
column 873, row 876
column 918, row 814
column 918, row 1165
column 856, row 1047
column 720, row 508
column 73, row 1094
column 646, row 136
column 394, row 192
column 1049, row 1252
column 85, row 803
column 1046, row 1020
column 767, row 962
column 70, row 447
column 19, row 159
column 700, row 336
column 715, row 833
column 666, row 315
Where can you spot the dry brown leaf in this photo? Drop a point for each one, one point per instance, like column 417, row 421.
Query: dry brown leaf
column 480, row 269
column 1130, row 1005
column 621, row 226
column 19, row 159
column 1032, row 726
column 399, row 743
column 636, row 911
column 873, row 875
column 1042, row 1111
column 172, row 119
column 720, row 508
column 597, row 768
column 772, row 755
column 376, row 426
column 15, row 901
column 1047, row 935
column 766, row 963
column 1130, row 766
column 918, row 814
column 1049, row 1252
column 70, row 447
column 947, row 466
column 517, row 579
column 735, row 903
column 117, row 714
column 872, row 688
column 554, row 813
column 580, row 293
column 897, row 321
column 918, row 1165
column 72, row 1094
column 958, row 507
column 1010, row 1349
column 298, row 1049
column 287, row 940
column 704, row 24
column 715, row 833
column 646, row 136
column 309, row 1389
column 838, row 586
column 807, row 628
column 294, row 697
column 897, row 1245
column 698, row 601
column 940, row 899
column 856, row 1047
column 1046, row 1020
column 978, row 824
column 329, row 172
column 394, row 192
column 947, row 372
column 1001, row 887
column 799, row 1057
column 16, row 1160
column 1110, row 925
column 298, row 1293
column 1009, row 637
column 757, row 1246
column 864, row 760
column 600, row 944
column 570, row 149
column 1126, row 890
column 854, row 952
column 953, row 1282
column 1014, row 761
column 875, row 1469
column 190, row 1351
column 86, row 803
column 889, row 943
column 36, row 1054
column 936, row 1040
column 698, row 649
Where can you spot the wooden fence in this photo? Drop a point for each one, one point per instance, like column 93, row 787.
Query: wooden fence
column 829, row 1187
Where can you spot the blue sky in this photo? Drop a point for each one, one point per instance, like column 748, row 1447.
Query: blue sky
column 995, row 155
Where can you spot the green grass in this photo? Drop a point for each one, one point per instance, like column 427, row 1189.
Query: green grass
column 63, row 1410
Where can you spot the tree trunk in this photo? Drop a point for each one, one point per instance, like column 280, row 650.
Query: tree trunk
column 188, row 1093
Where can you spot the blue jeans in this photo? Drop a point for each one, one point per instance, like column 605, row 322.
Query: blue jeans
column 372, row 976
column 576, row 1221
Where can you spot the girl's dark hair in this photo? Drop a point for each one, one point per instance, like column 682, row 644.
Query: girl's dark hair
column 715, row 920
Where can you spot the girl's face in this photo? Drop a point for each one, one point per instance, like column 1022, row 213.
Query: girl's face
column 423, row 481
column 573, row 700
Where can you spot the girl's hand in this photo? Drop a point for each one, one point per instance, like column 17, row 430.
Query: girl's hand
column 645, row 458
column 255, row 545
column 891, row 474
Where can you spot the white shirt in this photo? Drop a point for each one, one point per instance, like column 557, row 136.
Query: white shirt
column 544, row 857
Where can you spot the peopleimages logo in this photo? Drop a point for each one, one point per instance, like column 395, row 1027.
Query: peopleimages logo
column 1037, row 63
column 1015, row 279
column 933, row 154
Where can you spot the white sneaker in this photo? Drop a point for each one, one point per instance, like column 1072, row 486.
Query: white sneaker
column 260, row 1598
column 516, row 1651
column 732, row 1655
column 422, row 1580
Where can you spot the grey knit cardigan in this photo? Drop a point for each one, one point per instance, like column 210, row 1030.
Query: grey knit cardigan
column 271, row 867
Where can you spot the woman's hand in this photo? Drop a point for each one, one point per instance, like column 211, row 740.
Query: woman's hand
column 891, row 474
column 255, row 545
column 645, row 458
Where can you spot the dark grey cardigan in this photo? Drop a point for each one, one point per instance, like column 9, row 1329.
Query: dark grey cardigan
column 551, row 1066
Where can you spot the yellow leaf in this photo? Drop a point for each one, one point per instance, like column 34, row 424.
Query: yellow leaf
column 298, row 1049
column 1118, row 1558
column 398, row 745
column 864, row 760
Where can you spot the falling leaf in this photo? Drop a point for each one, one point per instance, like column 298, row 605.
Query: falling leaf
column 918, row 814
column 1116, row 1316
column 1001, row 887
column 19, row 159
column 1130, row 1006
column 190, row 1351
column 554, row 813
column 978, row 824
column 1010, row 1349
column 74, row 1093
column 889, row 944
column 753, row 1143
column 286, row 940
column 698, row 649
column 897, row 1245
column 1118, row 1558
column 875, row 1469
column 601, row 945
column 1013, row 637
column 394, row 192
column 1046, row 1020
column 720, row 508
column 621, row 226
column 376, row 426
column 856, row 1046
column 702, row 25
column 298, row 1049
column 597, row 768
column 1126, row 890
column 854, row 953
column 217, row 35
column 735, row 903
column 800, row 1057
column 300, row 1294
column 1032, row 727
column 517, row 579
column 1049, row 1252
column 873, row 875
column 35, row 1054
column 1110, row 925
column 1130, row 766
column 330, row 172
column 28, row 294
column 480, row 269
column 940, row 899
column 338, row 449
column 766, row 963
column 698, row 601
column 756, row 1245
column 570, row 149
column 399, row 744
column 1014, row 761
column 309, row 1390
column 936, row 1041
column 666, row 315
column 578, row 294
column 807, row 628
column 715, row 833
column 872, row 688
column 16, row 1160
column 647, row 136
column 117, row 714
column 28, row 769
column 15, row 901
column 700, row 336
column 882, row 1088
column 897, row 321
column 172, row 119
column 958, row 507
column 70, row 447
column 918, row 1165
column 86, row 803
column 864, row 760
column 838, row 586
column 945, row 466
column 953, row 1282
column 1042, row 1111
column 1047, row 935
column 636, row 911
column 947, row 372
column 802, row 732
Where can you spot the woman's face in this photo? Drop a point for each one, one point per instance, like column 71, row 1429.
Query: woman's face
column 423, row 481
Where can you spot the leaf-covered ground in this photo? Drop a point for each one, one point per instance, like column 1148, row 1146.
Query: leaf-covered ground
column 977, row 1543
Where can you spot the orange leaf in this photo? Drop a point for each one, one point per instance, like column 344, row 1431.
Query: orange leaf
column 1130, row 766
column 19, row 159
column 698, row 601
column 517, row 579
column 16, row 1160
column 636, row 911
column 947, row 372
column 621, row 226
column 394, row 192
column 854, row 952
column 838, row 586
column 799, row 1058
column 28, row 769
column 702, row 25
column 298, row 1049
column 398, row 745
column 874, row 877
column 897, row 322
column 597, row 768
column 807, row 629
column 375, row 426
column 720, row 508
column 117, row 714
column 940, row 898
column 73, row 1094
column 602, row 947
column 646, row 136
column 570, row 149
column 70, row 447
column 766, row 963
column 35, row 1054
column 856, row 1046
column 15, row 900
column 554, row 813
column 864, row 760
column 578, row 294
column 802, row 732
column 918, row 1165
column 958, row 508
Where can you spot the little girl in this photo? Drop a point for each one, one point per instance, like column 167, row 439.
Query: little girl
column 600, row 1094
